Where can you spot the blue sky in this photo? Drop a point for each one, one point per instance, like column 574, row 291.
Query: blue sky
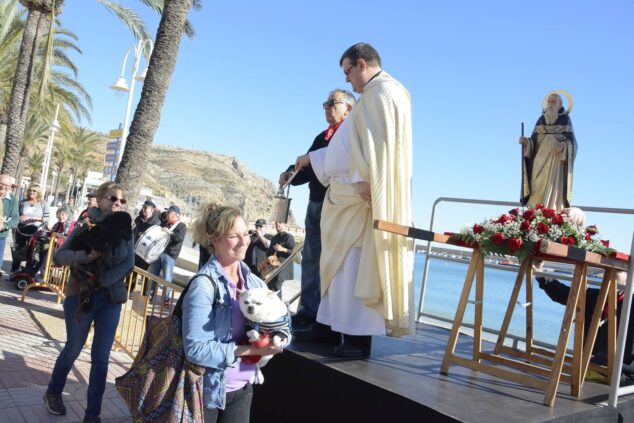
column 251, row 84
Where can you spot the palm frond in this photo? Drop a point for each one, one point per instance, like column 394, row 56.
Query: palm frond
column 129, row 18
column 62, row 59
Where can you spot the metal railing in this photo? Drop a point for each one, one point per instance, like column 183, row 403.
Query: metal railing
column 55, row 277
column 133, row 312
column 429, row 256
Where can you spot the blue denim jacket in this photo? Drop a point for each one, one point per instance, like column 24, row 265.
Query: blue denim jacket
column 207, row 328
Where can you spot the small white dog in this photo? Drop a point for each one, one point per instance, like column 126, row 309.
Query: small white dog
column 267, row 315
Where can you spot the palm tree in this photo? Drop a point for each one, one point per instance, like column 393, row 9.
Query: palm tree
column 83, row 147
column 34, row 164
column 62, row 87
column 62, row 156
column 148, row 112
column 22, row 80
column 35, row 136
column 11, row 25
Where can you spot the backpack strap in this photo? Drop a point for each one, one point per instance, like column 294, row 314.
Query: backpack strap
column 178, row 309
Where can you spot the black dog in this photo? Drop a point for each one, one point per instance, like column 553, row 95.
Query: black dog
column 102, row 234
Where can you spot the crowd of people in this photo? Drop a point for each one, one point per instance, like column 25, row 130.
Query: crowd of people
column 355, row 282
column 347, row 294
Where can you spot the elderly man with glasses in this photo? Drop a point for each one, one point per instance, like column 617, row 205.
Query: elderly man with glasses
column 336, row 109
column 9, row 212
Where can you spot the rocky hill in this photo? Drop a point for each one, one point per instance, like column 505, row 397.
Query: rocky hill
column 189, row 177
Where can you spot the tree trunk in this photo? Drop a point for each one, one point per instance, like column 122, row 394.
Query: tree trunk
column 3, row 128
column 148, row 112
column 20, row 92
column 71, row 180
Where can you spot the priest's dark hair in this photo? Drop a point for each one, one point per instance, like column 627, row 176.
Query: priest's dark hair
column 361, row 51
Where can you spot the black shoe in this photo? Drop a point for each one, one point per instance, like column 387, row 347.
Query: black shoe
column 92, row 419
column 354, row 347
column 54, row 404
column 301, row 320
column 316, row 332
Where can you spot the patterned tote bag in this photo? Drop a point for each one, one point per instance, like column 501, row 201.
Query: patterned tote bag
column 162, row 385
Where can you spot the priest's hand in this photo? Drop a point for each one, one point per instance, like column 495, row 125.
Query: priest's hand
column 523, row 140
column 363, row 189
column 302, row 162
column 284, row 177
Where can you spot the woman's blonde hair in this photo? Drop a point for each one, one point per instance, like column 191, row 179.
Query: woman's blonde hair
column 38, row 195
column 212, row 222
column 107, row 186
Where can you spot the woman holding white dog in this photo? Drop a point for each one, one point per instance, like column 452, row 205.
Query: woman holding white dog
column 213, row 324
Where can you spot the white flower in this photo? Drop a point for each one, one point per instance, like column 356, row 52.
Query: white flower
column 533, row 236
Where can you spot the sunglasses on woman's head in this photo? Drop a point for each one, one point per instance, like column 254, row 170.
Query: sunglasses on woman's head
column 114, row 199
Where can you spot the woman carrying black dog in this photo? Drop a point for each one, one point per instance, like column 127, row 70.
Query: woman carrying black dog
column 101, row 255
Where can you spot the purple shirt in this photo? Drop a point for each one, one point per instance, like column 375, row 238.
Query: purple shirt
column 242, row 373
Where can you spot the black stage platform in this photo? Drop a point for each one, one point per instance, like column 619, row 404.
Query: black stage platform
column 401, row 382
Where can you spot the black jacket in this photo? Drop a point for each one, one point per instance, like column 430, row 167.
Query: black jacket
column 260, row 253
column 141, row 224
column 287, row 241
column 317, row 190
column 176, row 239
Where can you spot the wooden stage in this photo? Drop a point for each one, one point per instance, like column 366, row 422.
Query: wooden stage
column 401, row 382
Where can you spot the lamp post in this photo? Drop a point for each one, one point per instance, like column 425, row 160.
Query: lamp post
column 122, row 86
column 49, row 151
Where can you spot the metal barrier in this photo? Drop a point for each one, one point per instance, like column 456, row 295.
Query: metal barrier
column 429, row 256
column 134, row 311
column 140, row 305
column 55, row 277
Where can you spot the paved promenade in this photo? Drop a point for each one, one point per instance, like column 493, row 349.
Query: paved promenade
column 31, row 336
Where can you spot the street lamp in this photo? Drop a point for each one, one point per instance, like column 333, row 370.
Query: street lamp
column 49, row 151
column 122, row 86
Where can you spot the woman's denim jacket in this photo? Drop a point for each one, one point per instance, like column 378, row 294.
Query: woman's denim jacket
column 207, row 328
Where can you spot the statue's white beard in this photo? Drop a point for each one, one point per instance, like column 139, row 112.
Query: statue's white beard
column 551, row 115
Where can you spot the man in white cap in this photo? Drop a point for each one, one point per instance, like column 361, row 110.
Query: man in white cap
column 164, row 265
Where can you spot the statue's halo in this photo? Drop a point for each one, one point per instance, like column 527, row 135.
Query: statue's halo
column 561, row 92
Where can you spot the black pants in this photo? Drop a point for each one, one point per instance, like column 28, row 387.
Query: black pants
column 237, row 407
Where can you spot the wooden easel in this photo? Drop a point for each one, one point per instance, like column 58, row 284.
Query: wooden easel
column 535, row 367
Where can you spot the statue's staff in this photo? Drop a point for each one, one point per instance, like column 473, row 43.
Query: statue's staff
column 521, row 161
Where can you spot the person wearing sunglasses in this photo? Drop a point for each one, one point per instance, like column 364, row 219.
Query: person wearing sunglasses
column 103, row 308
column 9, row 212
column 336, row 108
column 34, row 214
column 366, row 275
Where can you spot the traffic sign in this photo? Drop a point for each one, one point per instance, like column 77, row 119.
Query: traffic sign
column 115, row 133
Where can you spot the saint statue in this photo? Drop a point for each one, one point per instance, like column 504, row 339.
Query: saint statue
column 548, row 157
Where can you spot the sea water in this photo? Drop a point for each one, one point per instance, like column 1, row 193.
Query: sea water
column 445, row 280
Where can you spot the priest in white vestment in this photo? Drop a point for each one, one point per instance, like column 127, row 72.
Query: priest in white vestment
column 366, row 275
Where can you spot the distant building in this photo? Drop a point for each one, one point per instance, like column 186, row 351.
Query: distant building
column 113, row 150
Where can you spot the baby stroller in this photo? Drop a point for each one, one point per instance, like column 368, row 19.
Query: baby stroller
column 33, row 253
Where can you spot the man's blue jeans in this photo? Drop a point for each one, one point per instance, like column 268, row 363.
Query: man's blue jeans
column 165, row 265
column 105, row 316
column 3, row 243
column 311, row 289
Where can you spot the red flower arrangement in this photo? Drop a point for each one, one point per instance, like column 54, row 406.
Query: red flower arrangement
column 516, row 233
